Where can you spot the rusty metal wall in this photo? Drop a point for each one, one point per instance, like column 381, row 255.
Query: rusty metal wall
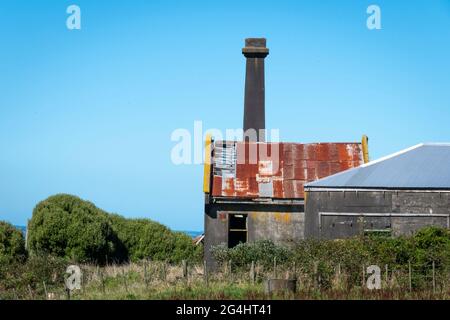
column 277, row 170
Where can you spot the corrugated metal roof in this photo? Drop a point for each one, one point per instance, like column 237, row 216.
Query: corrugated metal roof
column 425, row 166
column 238, row 174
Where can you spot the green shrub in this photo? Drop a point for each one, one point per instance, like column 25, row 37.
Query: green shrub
column 66, row 226
column 12, row 243
column 146, row 239
column 432, row 244
column 428, row 245
column 264, row 252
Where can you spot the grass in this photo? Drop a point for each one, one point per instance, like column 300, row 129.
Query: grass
column 155, row 280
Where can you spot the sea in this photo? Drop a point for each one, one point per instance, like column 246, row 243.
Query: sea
column 192, row 234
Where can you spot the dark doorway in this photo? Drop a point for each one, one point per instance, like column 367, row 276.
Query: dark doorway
column 237, row 229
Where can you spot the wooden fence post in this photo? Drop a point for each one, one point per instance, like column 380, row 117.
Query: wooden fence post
column 45, row 290
column 103, row 282
column 274, row 267
column 252, row 272
column 163, row 271
column 145, row 274
column 229, row 271
column 124, row 280
column 185, row 270
column 410, row 276
column 434, row 278
column 315, row 274
column 386, row 274
column 30, row 292
column 205, row 273
column 363, row 280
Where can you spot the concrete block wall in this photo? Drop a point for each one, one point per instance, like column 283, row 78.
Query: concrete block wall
column 393, row 204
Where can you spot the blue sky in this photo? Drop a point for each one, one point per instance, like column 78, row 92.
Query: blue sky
column 90, row 112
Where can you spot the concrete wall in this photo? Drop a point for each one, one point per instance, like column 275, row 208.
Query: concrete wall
column 283, row 224
column 401, row 212
column 280, row 227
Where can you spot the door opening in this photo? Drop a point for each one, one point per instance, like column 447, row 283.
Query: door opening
column 237, row 229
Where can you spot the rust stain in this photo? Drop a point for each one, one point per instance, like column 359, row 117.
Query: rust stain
column 295, row 165
column 287, row 218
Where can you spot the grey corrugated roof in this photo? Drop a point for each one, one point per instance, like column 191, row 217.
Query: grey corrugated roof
column 425, row 166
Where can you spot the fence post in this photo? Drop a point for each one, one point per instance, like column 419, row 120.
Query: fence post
column 145, row 274
column 315, row 275
column 185, row 270
column 363, row 280
column 339, row 274
column 124, row 280
column 103, row 282
column 31, row 292
column 45, row 290
column 294, row 267
column 386, row 274
column 410, row 275
column 205, row 273
column 252, row 272
column 163, row 271
column 230, row 274
column 434, row 278
column 274, row 267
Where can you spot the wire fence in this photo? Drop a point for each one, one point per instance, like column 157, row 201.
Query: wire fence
column 136, row 279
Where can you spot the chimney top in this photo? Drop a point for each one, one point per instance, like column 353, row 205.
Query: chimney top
column 255, row 48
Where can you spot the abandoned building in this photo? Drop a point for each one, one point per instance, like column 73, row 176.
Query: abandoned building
column 396, row 195
column 254, row 189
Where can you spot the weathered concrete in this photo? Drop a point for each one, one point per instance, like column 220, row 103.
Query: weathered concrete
column 280, row 227
column 338, row 214
column 283, row 224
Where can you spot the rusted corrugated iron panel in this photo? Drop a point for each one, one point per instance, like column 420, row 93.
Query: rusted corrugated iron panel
column 253, row 170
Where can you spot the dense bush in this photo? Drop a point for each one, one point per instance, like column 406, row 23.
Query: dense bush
column 12, row 243
column 18, row 278
column 67, row 226
column 428, row 245
column 146, row 239
column 264, row 252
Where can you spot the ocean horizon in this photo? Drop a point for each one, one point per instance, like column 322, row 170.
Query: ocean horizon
column 190, row 233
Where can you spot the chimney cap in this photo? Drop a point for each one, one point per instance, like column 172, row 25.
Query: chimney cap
column 255, row 47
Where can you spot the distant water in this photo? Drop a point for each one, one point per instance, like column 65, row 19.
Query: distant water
column 192, row 234
column 22, row 228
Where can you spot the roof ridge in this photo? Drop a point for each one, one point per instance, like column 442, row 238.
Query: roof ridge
column 392, row 155
column 437, row 144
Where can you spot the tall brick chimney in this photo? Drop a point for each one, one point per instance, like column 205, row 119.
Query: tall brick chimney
column 254, row 102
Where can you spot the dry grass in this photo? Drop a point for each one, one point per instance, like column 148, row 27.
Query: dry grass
column 156, row 280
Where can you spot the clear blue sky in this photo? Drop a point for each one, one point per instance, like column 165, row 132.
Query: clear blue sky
column 90, row 112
